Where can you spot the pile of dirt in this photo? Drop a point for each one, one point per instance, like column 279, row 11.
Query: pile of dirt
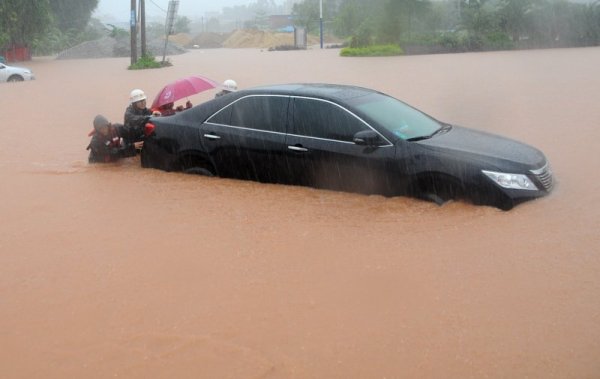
column 181, row 39
column 247, row 38
column 208, row 40
column 101, row 48
column 244, row 38
column 154, row 47
column 108, row 47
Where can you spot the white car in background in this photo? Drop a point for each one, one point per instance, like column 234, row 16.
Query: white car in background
column 15, row 74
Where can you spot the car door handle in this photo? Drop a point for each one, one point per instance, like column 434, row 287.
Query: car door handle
column 212, row 136
column 298, row 148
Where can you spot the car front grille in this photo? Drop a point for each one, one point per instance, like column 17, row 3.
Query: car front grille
column 544, row 176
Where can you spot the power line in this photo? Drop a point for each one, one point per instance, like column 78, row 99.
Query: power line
column 156, row 5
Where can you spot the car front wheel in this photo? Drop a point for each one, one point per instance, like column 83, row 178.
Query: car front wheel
column 15, row 78
column 437, row 189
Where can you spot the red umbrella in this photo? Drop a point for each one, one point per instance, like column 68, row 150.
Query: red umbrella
column 183, row 88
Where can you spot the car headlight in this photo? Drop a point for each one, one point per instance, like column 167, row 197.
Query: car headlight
column 512, row 181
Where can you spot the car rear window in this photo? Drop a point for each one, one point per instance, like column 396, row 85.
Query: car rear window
column 261, row 112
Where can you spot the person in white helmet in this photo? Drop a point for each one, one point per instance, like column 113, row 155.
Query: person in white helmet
column 228, row 86
column 136, row 116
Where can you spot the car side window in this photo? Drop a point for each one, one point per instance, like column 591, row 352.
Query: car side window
column 222, row 117
column 322, row 119
column 260, row 112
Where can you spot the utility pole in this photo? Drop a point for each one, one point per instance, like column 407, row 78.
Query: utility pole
column 321, row 20
column 169, row 24
column 143, row 25
column 133, row 34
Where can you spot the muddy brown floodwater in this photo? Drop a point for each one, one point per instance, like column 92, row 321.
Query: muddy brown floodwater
column 119, row 271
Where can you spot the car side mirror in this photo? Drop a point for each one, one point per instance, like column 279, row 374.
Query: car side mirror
column 367, row 138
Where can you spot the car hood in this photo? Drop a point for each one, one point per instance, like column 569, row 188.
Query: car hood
column 486, row 145
column 17, row 68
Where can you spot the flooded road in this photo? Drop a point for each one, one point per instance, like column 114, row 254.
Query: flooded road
column 119, row 271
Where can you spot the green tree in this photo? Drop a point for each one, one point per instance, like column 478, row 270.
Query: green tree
column 478, row 16
column 549, row 22
column 306, row 14
column 460, row 24
column 577, row 24
column 21, row 21
column 514, row 17
column 350, row 15
column 444, row 16
column 402, row 17
column 72, row 14
column 591, row 22
column 382, row 21
column 45, row 25
column 478, row 21
column 182, row 24
column 4, row 38
column 120, row 33
column 261, row 19
column 393, row 21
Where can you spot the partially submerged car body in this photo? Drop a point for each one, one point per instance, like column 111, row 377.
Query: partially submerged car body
column 345, row 138
column 14, row 74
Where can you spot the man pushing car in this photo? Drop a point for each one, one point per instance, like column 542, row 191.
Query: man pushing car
column 107, row 144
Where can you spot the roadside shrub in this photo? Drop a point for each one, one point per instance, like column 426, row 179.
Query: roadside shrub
column 285, row 48
column 146, row 62
column 473, row 42
column 372, row 51
column 498, row 41
column 55, row 40
column 450, row 41
column 118, row 33
column 363, row 37
column 421, row 40
column 456, row 41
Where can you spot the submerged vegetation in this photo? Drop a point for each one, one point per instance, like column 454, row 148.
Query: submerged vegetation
column 417, row 26
column 372, row 51
column 423, row 26
column 148, row 61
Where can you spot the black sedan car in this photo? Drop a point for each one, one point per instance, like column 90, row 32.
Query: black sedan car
column 345, row 138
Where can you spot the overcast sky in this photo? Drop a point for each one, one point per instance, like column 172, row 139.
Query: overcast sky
column 120, row 9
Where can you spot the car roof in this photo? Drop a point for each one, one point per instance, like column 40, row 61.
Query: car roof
column 342, row 94
column 337, row 92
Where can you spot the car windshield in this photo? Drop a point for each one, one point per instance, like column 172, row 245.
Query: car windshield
column 399, row 118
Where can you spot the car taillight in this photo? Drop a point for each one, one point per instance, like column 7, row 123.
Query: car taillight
column 149, row 129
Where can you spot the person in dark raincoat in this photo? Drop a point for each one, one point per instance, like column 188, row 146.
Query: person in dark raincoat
column 107, row 145
column 136, row 117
